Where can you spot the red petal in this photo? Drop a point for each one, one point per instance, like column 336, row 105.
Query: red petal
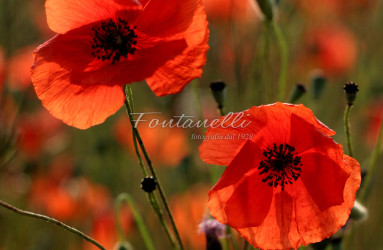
column 73, row 52
column 77, row 105
column 307, row 115
column 63, row 16
column 279, row 229
column 175, row 74
column 324, row 178
column 141, row 65
column 240, row 198
column 168, row 17
column 222, row 143
column 318, row 224
column 305, row 136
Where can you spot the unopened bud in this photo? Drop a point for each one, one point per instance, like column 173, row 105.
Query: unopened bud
column 148, row 184
column 351, row 89
column 218, row 88
column 297, row 93
column 318, row 82
column 123, row 246
column 358, row 212
column 266, row 7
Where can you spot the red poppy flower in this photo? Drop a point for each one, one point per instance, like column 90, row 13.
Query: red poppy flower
column 102, row 45
column 290, row 184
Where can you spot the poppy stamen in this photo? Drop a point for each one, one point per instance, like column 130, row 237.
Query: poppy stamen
column 281, row 165
column 113, row 40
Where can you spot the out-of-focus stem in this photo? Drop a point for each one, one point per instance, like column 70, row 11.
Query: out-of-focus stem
column 137, row 216
column 53, row 221
column 372, row 165
column 284, row 59
column 213, row 171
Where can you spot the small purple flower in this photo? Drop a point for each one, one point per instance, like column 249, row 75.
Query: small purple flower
column 212, row 227
column 213, row 231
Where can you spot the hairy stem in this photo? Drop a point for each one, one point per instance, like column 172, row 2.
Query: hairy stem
column 149, row 163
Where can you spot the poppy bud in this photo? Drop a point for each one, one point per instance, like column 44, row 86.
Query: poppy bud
column 266, row 7
column 297, row 93
column 123, row 246
column 213, row 231
column 148, row 184
column 351, row 89
column 318, row 83
column 218, row 88
column 358, row 212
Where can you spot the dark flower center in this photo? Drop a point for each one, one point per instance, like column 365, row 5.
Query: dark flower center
column 113, row 40
column 281, row 165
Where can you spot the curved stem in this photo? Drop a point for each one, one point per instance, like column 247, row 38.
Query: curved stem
column 284, row 60
column 137, row 216
column 347, row 129
column 149, row 163
column 53, row 221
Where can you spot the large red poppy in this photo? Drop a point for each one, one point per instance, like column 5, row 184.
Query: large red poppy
column 290, row 184
column 102, row 45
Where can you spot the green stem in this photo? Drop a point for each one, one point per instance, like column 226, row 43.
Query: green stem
column 53, row 221
column 129, row 108
column 372, row 165
column 137, row 216
column 197, row 98
column 149, row 163
column 347, row 129
column 154, row 203
column 245, row 244
column 284, row 60
column 232, row 240
column 129, row 95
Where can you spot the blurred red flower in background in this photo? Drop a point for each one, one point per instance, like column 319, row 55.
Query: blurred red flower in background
column 332, row 48
column 324, row 8
column 189, row 210
column 61, row 195
column 242, row 11
column 166, row 146
column 375, row 119
column 104, row 229
column 2, row 68
column 19, row 69
column 39, row 131
column 290, row 184
column 103, row 45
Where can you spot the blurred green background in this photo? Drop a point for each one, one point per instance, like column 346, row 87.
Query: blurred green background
column 74, row 175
